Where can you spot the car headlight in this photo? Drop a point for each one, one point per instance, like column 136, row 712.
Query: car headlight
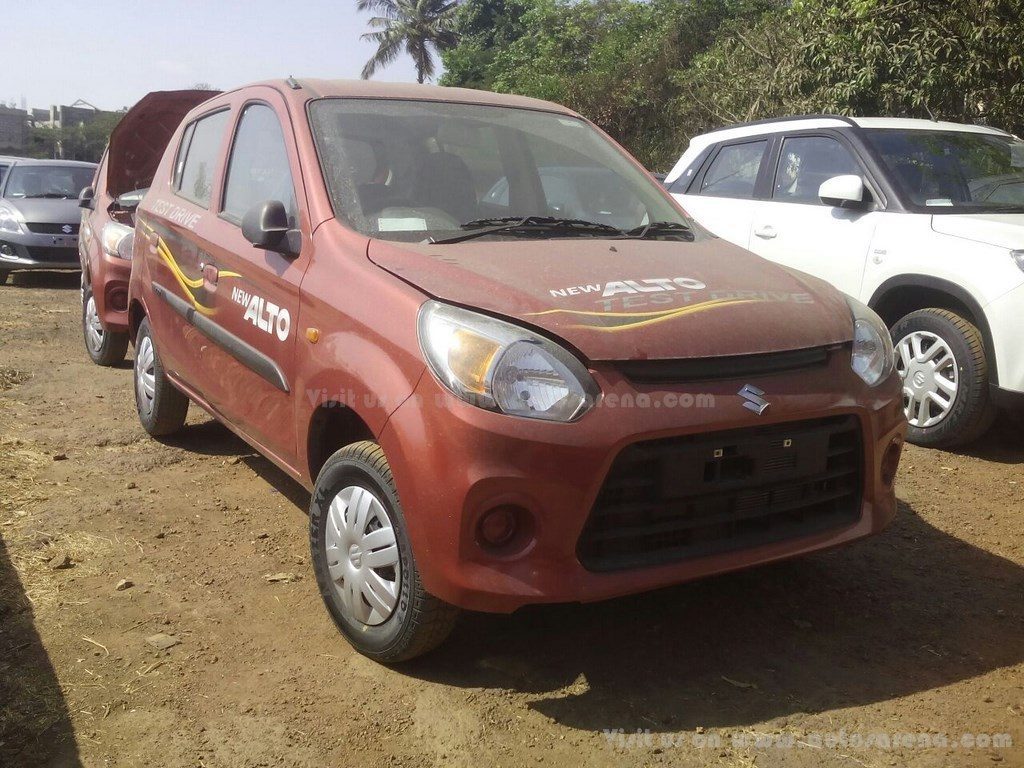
column 118, row 240
column 872, row 357
column 11, row 220
column 502, row 367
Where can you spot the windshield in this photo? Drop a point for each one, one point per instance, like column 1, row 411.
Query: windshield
column 413, row 170
column 973, row 172
column 55, row 181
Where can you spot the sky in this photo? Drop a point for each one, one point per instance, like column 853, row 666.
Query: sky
column 110, row 54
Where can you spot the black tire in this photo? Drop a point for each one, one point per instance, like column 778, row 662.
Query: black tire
column 419, row 621
column 112, row 347
column 165, row 412
column 3, row 276
column 971, row 413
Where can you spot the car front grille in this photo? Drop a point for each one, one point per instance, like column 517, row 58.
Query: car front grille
column 52, row 229
column 681, row 498
column 729, row 367
column 51, row 254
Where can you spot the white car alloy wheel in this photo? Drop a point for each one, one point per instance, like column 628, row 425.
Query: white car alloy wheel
column 93, row 327
column 362, row 555
column 145, row 375
column 930, row 377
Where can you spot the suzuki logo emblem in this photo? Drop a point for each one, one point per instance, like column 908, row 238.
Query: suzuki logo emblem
column 66, row 229
column 754, row 399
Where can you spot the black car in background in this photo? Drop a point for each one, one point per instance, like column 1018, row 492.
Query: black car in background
column 39, row 213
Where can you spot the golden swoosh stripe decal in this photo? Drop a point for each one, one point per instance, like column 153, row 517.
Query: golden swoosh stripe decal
column 644, row 318
column 188, row 284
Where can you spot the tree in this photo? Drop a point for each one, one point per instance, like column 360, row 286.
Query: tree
column 420, row 27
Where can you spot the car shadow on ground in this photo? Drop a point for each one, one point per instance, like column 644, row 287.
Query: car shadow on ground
column 908, row 611
column 45, row 279
column 211, row 438
column 35, row 728
column 1004, row 443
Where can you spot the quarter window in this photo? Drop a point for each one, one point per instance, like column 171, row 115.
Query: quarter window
column 733, row 172
column 258, row 169
column 199, row 159
column 807, row 161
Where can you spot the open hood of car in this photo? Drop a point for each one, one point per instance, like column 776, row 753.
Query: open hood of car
column 631, row 299
column 138, row 142
column 1005, row 230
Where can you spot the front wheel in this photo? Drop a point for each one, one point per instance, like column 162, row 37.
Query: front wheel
column 942, row 360
column 104, row 347
column 161, row 407
column 364, row 562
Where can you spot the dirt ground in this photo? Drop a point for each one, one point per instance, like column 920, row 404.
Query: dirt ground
column 904, row 650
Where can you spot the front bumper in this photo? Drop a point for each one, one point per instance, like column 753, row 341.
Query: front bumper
column 38, row 251
column 453, row 462
column 1004, row 320
column 107, row 277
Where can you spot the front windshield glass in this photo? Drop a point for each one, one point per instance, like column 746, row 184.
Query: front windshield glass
column 413, row 170
column 55, row 181
column 973, row 172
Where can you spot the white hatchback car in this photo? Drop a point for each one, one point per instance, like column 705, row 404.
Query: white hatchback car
column 923, row 221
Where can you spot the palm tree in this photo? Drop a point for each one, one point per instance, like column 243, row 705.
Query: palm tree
column 415, row 25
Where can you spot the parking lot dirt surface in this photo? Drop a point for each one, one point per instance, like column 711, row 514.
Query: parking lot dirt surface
column 138, row 625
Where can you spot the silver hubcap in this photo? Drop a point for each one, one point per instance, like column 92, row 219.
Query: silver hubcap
column 145, row 375
column 362, row 556
column 93, row 329
column 930, row 377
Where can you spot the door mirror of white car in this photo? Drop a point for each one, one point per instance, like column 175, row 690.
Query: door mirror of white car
column 843, row 191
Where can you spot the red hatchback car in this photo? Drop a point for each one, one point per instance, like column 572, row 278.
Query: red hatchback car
column 505, row 363
column 108, row 208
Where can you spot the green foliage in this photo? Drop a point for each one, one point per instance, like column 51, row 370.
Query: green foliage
column 610, row 60
column 655, row 72
column 74, row 142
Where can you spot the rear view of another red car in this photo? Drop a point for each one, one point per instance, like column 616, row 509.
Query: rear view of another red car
column 108, row 216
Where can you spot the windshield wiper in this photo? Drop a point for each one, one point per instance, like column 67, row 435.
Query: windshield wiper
column 661, row 229
column 529, row 225
column 48, row 196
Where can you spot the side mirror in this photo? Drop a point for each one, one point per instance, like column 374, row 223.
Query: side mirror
column 85, row 197
column 843, row 191
column 129, row 201
column 266, row 226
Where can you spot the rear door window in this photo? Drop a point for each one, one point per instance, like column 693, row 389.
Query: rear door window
column 198, row 160
column 733, row 172
column 258, row 169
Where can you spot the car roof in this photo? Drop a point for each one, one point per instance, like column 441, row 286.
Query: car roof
column 805, row 122
column 306, row 88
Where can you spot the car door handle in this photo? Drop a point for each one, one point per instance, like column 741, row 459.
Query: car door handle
column 766, row 232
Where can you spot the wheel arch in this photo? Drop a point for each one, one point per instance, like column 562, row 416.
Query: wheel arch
column 136, row 314
column 900, row 295
column 332, row 426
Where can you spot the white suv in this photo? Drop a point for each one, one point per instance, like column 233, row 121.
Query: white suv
column 923, row 221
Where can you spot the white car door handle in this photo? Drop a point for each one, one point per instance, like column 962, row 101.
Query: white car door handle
column 766, row 232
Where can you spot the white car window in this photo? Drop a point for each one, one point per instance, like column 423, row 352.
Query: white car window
column 733, row 172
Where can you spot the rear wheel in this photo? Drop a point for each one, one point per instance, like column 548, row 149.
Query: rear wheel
column 364, row 562
column 104, row 347
column 161, row 407
column 942, row 360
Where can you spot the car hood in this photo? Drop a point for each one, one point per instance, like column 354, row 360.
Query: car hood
column 1005, row 230
column 42, row 210
column 631, row 299
column 138, row 142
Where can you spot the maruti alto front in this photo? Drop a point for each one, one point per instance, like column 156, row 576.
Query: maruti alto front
column 503, row 360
